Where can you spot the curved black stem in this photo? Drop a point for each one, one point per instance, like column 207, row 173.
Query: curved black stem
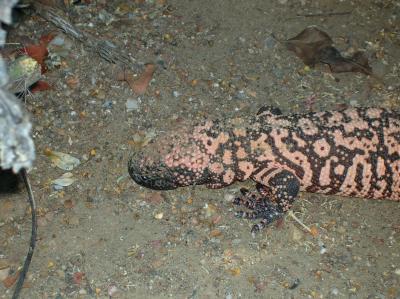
column 32, row 244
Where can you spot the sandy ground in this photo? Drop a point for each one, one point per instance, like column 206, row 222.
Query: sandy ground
column 106, row 236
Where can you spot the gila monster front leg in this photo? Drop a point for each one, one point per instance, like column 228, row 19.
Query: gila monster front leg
column 273, row 199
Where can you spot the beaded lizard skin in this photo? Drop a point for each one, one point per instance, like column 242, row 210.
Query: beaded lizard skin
column 354, row 152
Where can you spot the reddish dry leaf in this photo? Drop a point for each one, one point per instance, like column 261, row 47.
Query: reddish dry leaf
column 40, row 86
column 140, row 85
column 314, row 46
column 78, row 277
column 37, row 52
column 46, row 38
column 10, row 280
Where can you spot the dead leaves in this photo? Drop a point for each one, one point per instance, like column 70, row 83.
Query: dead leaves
column 308, row 44
column 315, row 46
column 138, row 85
column 39, row 51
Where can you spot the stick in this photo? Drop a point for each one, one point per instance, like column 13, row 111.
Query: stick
column 291, row 214
column 106, row 49
column 32, row 244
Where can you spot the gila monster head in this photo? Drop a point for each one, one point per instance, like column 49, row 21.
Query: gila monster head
column 172, row 161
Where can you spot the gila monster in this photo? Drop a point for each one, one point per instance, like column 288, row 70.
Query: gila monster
column 353, row 152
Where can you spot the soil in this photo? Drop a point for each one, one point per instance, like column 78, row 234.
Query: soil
column 106, row 237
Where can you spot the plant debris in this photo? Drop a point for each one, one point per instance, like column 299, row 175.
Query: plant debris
column 138, row 86
column 64, row 181
column 62, row 160
column 39, row 51
column 314, row 46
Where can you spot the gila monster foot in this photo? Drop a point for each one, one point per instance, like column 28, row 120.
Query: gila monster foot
column 268, row 217
column 261, row 208
column 249, row 199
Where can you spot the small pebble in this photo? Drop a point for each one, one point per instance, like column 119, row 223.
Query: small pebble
column 334, row 291
column 229, row 197
column 241, row 95
column 112, row 290
column 57, row 41
column 176, row 93
column 159, row 216
column 131, row 105
column 107, row 104
column 269, row 42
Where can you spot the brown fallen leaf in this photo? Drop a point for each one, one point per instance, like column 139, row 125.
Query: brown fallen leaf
column 37, row 52
column 338, row 64
column 40, row 86
column 10, row 280
column 308, row 43
column 314, row 46
column 139, row 86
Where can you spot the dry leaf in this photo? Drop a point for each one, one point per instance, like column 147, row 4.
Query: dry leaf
column 314, row 46
column 46, row 38
column 65, row 180
column 314, row 231
column 78, row 277
column 62, row 160
column 37, row 52
column 308, row 43
column 234, row 271
column 40, row 86
column 140, row 85
column 338, row 64
column 10, row 280
column 215, row 233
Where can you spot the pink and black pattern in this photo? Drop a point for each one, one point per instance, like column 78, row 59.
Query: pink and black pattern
column 353, row 152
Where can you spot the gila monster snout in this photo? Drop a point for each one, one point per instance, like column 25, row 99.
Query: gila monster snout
column 147, row 173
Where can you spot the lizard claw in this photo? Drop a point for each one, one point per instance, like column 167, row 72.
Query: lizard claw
column 244, row 191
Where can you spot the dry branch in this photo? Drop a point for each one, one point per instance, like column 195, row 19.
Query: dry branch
column 104, row 48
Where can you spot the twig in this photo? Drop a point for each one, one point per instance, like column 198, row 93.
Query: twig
column 291, row 214
column 32, row 243
column 105, row 49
